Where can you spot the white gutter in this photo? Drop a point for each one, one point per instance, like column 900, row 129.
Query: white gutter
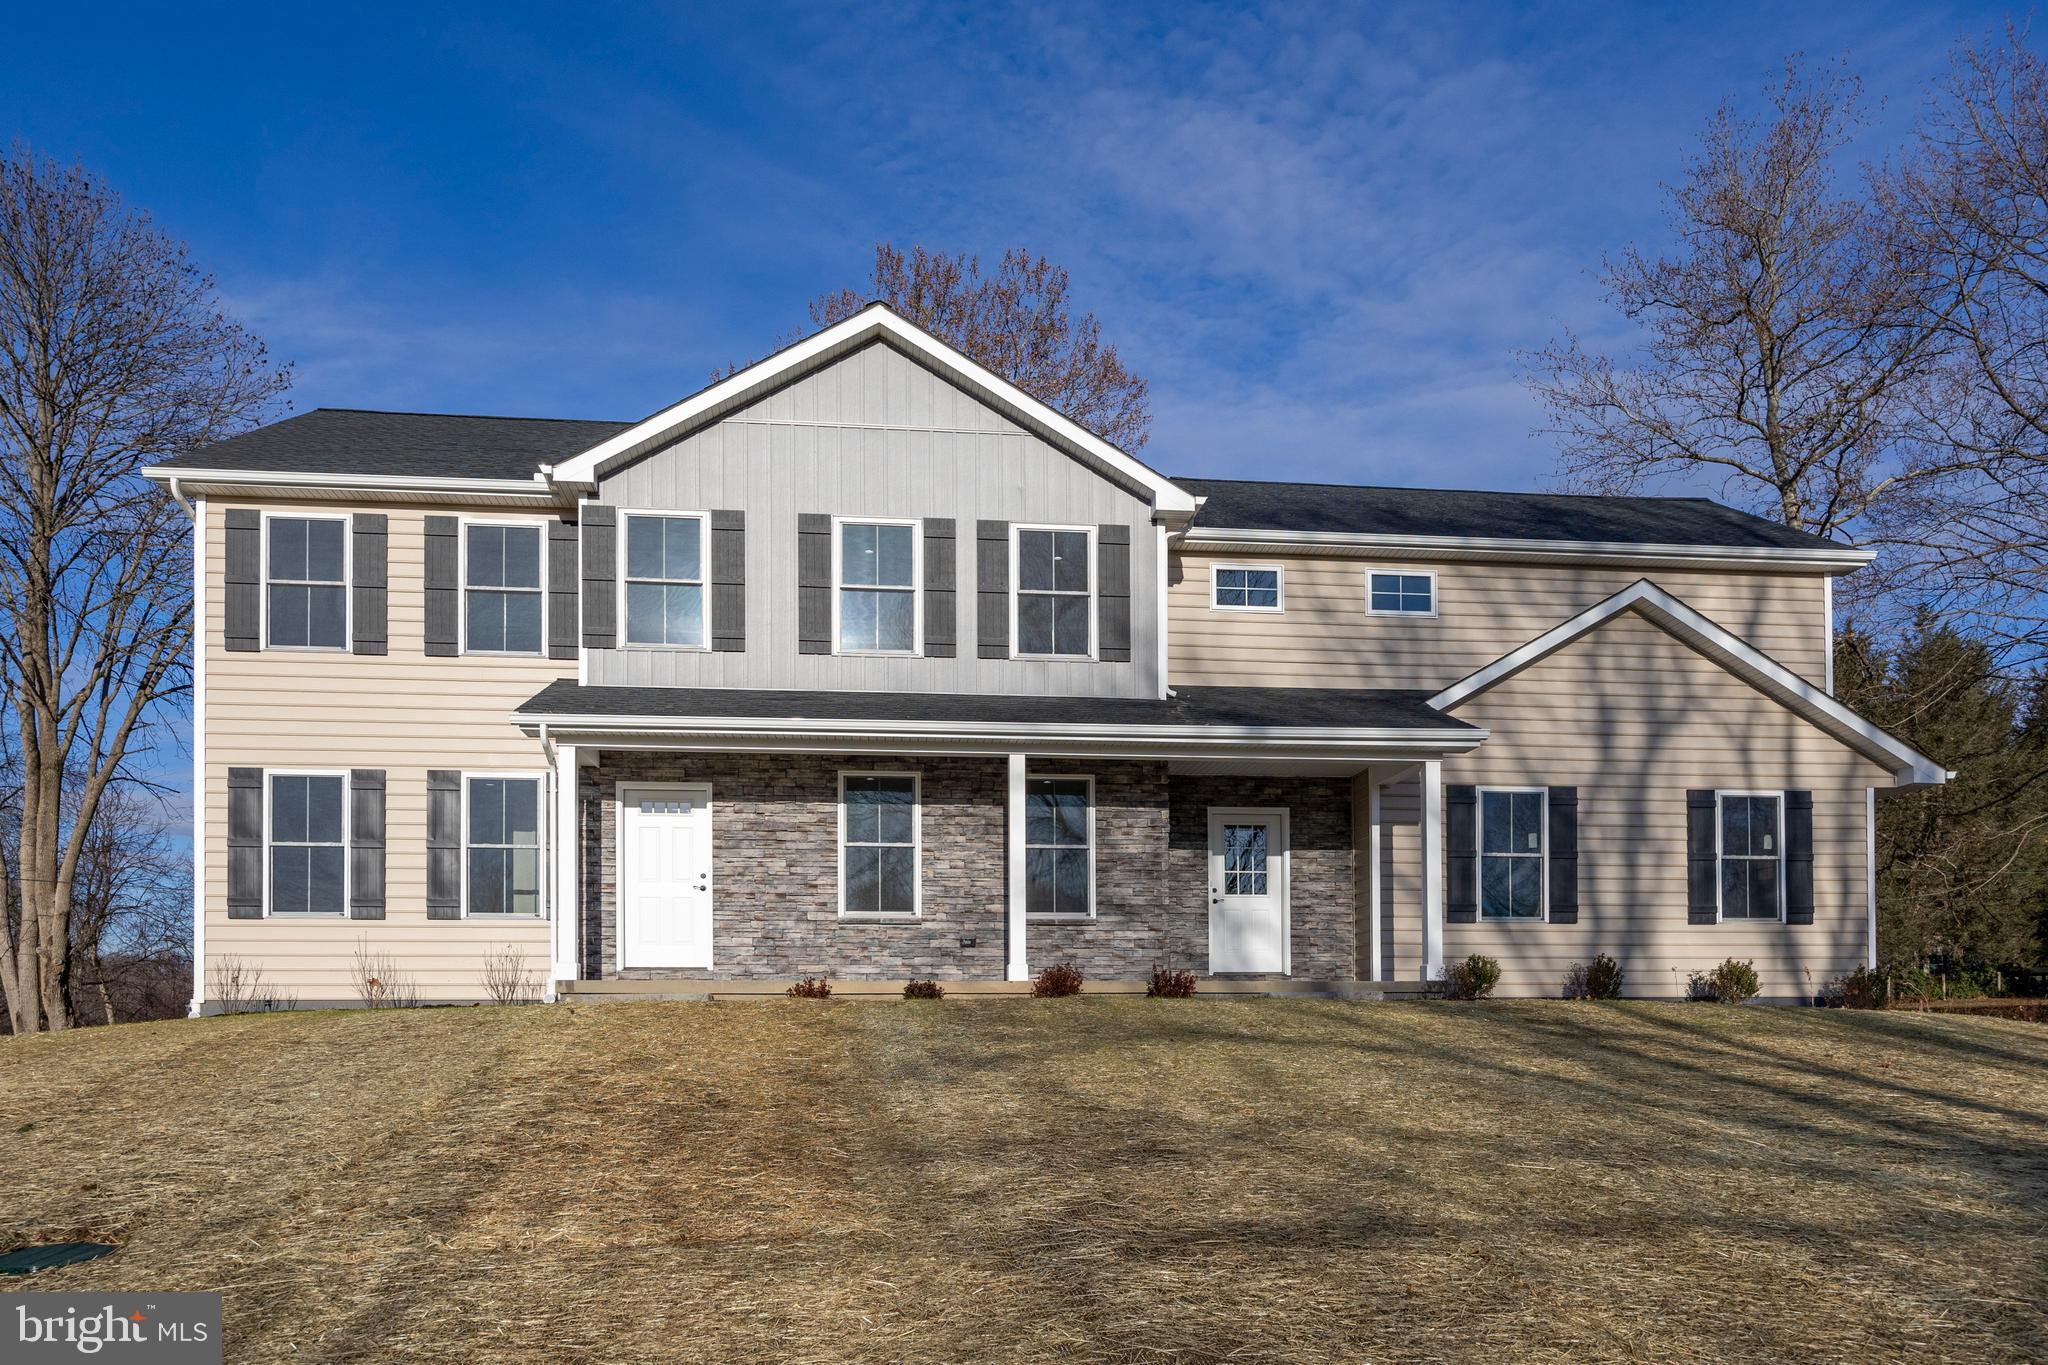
column 1458, row 737
column 352, row 483
column 1214, row 539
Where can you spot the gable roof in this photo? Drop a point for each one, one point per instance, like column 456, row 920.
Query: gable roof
column 1347, row 509
column 876, row 322
column 1909, row 767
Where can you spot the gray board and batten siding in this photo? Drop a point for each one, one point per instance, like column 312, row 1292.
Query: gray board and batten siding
column 875, row 434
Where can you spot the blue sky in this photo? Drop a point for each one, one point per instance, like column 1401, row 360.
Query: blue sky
column 1322, row 232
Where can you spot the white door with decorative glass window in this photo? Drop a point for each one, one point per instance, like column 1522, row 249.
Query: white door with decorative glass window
column 664, row 875
column 1248, row 891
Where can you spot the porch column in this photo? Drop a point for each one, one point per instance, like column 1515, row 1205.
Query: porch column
column 568, row 869
column 1432, row 870
column 1372, row 872
column 1018, row 967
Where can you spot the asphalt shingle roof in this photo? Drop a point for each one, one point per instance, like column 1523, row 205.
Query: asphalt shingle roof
column 349, row 441
column 1295, row 707
column 417, row 444
column 1348, row 508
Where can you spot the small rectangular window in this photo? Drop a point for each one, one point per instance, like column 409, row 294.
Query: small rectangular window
column 1059, row 830
column 501, row 846
column 501, row 589
column 1400, row 593
column 664, row 581
column 1246, row 850
column 1246, row 588
column 308, row 852
column 879, row 848
column 1752, row 849
column 878, row 587
column 1511, row 849
column 306, row 582
column 1055, row 600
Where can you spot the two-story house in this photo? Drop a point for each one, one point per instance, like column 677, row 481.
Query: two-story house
column 863, row 663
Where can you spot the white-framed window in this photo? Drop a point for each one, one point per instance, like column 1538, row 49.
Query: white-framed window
column 662, row 600
column 880, row 820
column 877, row 586
column 1400, row 592
column 1512, row 847
column 305, row 582
column 1059, row 846
column 1749, row 835
column 1246, row 587
column 502, row 597
column 305, row 837
column 501, row 845
column 1052, row 600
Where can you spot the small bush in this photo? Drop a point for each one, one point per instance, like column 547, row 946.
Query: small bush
column 507, row 978
column 1062, row 978
column 1599, row 979
column 923, row 990
column 1171, row 985
column 811, row 988
column 1731, row 983
column 1472, row 979
column 1862, row 989
column 380, row 985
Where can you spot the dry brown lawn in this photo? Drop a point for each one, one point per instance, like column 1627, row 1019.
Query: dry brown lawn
column 1094, row 1179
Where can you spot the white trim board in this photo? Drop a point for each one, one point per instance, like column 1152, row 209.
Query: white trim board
column 1909, row 767
column 873, row 323
column 1352, row 544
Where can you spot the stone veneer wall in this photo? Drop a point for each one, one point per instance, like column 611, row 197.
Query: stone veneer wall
column 775, row 841
column 1325, row 922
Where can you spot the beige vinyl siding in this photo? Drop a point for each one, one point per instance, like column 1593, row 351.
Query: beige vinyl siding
column 1401, row 880
column 402, row 712
column 1633, row 718
column 1326, row 638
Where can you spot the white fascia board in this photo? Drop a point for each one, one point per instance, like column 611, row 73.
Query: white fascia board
column 534, row 488
column 872, row 322
column 1910, row 767
column 1232, row 540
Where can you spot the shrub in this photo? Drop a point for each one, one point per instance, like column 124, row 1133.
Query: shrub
column 1062, row 978
column 1862, row 989
column 1731, row 983
column 380, row 985
column 1472, row 979
column 1599, row 979
column 507, row 978
column 923, row 990
column 1171, row 985
column 811, row 988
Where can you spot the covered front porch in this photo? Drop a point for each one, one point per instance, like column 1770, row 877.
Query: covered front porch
column 708, row 852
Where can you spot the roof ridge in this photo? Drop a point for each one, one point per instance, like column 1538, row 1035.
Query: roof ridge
column 1412, row 488
column 470, row 416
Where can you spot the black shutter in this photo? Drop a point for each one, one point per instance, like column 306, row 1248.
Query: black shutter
column 1702, row 877
column 729, row 582
column 368, row 531
column 941, row 581
column 245, row 843
column 243, row 628
column 1113, row 592
column 1461, row 843
column 444, row 845
column 443, row 568
column 1562, row 807
column 599, row 531
column 1799, row 857
column 813, row 583
column 992, row 589
column 564, row 630
column 366, row 843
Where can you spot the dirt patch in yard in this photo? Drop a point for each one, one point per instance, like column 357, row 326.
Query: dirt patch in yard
column 1093, row 1179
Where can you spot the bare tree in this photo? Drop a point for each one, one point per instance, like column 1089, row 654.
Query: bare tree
column 131, row 925
column 113, row 353
column 1017, row 322
column 1786, row 343
column 1973, row 196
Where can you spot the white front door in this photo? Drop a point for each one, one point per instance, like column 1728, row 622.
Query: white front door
column 664, row 875
column 1248, row 891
